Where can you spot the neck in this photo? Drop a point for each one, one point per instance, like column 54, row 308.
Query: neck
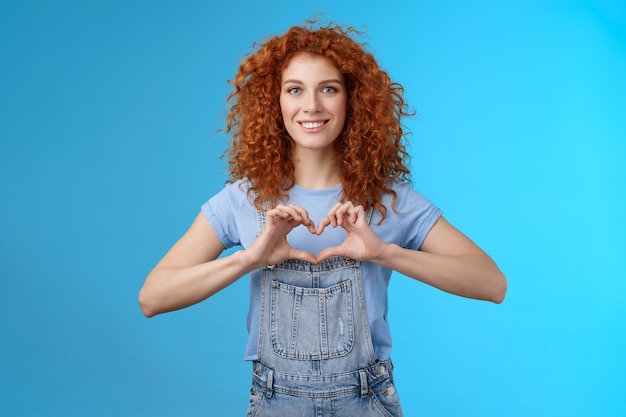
column 315, row 170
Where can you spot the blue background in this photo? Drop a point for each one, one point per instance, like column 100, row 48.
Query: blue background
column 109, row 113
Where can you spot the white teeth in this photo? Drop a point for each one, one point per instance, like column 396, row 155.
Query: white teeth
column 311, row 125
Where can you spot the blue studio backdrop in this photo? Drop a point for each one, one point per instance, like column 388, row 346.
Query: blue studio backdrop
column 109, row 143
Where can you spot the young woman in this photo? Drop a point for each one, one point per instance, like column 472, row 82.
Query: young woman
column 320, row 203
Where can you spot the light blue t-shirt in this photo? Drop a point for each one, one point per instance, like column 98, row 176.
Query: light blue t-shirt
column 233, row 217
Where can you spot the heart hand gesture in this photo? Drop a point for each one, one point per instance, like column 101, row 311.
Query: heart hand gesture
column 271, row 247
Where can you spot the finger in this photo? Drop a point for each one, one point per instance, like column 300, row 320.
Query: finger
column 290, row 210
column 322, row 225
column 304, row 218
column 285, row 213
column 344, row 211
column 332, row 215
column 276, row 213
column 356, row 213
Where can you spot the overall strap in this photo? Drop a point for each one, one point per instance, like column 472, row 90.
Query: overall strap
column 368, row 214
column 260, row 215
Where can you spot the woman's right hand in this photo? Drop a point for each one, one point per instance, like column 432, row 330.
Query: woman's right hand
column 271, row 247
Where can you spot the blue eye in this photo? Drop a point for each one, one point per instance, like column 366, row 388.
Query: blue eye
column 294, row 90
column 329, row 89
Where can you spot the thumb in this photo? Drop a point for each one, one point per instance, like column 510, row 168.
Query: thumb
column 302, row 255
column 329, row 253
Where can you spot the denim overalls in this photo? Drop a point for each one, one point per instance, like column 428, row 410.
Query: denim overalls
column 316, row 357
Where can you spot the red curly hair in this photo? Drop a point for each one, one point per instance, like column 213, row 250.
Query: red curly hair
column 370, row 150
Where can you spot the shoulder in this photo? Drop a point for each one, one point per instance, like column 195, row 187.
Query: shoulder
column 407, row 197
column 237, row 187
column 236, row 192
column 413, row 215
column 231, row 200
column 231, row 213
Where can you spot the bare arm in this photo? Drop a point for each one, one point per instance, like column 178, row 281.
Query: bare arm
column 448, row 260
column 191, row 271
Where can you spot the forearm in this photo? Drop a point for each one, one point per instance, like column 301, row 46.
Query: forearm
column 172, row 288
column 472, row 276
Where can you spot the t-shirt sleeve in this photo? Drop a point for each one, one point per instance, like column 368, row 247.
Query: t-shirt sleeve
column 417, row 216
column 220, row 212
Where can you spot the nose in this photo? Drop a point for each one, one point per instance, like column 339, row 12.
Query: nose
column 312, row 103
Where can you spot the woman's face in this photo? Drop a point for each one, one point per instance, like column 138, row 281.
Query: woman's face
column 313, row 102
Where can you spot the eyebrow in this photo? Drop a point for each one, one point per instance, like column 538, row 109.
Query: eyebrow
column 329, row 81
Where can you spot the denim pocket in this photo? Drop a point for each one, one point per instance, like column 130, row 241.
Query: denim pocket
column 256, row 396
column 386, row 398
column 312, row 323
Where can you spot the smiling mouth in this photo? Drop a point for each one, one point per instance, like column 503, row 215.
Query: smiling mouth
column 312, row 125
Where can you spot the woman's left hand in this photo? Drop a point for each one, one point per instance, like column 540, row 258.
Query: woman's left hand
column 361, row 243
